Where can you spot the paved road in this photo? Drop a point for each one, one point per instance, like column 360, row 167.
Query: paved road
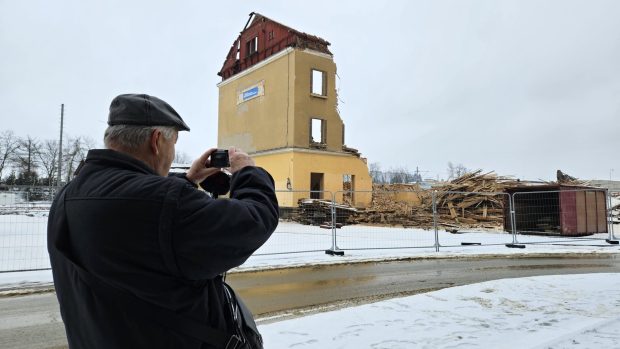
column 34, row 322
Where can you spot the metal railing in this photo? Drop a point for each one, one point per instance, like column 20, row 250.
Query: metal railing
column 335, row 222
column 358, row 229
column 302, row 228
column 23, row 237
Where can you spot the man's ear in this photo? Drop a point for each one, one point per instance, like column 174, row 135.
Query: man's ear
column 154, row 141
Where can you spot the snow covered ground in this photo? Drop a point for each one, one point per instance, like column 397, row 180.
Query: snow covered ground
column 568, row 311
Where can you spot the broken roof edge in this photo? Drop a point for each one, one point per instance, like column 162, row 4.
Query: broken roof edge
column 255, row 67
column 255, row 17
column 288, row 37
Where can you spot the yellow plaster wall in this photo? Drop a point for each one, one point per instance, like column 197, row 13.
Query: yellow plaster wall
column 275, row 128
column 309, row 106
column 297, row 165
column 261, row 123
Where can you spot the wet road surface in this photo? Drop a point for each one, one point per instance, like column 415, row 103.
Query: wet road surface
column 34, row 321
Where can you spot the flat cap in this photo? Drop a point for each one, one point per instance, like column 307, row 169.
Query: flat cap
column 144, row 110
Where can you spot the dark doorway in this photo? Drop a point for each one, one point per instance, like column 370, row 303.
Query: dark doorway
column 316, row 185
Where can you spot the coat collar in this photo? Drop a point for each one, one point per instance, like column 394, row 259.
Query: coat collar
column 109, row 157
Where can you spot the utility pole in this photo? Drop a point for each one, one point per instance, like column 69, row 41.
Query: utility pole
column 62, row 117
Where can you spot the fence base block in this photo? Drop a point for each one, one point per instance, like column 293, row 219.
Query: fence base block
column 334, row 252
column 515, row 246
column 612, row 242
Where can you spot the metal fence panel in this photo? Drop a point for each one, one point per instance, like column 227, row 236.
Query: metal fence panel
column 471, row 219
column 23, row 236
column 400, row 223
column 305, row 223
column 565, row 215
column 313, row 221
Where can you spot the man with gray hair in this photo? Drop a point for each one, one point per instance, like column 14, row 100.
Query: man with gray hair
column 138, row 255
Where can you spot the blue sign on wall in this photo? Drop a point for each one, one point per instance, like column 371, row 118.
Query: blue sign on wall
column 250, row 93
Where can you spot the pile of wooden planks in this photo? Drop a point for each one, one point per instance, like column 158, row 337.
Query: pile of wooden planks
column 472, row 200
column 387, row 209
column 318, row 212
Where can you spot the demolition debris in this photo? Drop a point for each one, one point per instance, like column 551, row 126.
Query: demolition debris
column 474, row 200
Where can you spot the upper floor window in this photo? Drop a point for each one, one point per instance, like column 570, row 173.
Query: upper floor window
column 318, row 83
column 251, row 46
column 317, row 131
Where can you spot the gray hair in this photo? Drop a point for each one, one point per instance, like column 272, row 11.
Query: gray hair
column 131, row 137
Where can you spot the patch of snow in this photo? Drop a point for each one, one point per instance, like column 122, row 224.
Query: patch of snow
column 576, row 311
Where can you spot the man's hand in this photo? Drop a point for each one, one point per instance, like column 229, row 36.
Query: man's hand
column 238, row 159
column 200, row 168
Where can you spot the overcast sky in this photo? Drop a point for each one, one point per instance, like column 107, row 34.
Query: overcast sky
column 521, row 88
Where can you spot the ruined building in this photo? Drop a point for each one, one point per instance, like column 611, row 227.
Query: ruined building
column 277, row 101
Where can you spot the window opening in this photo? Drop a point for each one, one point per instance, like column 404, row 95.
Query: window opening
column 319, row 86
column 251, row 46
column 317, row 131
column 348, row 188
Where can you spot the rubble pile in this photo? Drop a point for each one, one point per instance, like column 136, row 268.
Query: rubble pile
column 386, row 210
column 565, row 179
column 457, row 206
column 318, row 212
column 473, row 200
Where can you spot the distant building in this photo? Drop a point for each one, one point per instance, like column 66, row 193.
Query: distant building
column 601, row 183
column 277, row 101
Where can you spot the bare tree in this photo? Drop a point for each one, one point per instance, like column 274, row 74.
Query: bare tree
column 456, row 171
column 74, row 153
column 9, row 143
column 181, row 158
column 87, row 144
column 48, row 159
column 375, row 173
column 26, row 160
column 400, row 175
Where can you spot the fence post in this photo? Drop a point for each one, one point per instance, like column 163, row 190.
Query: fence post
column 513, row 218
column 334, row 250
column 513, row 222
column 435, row 221
column 610, row 219
column 611, row 212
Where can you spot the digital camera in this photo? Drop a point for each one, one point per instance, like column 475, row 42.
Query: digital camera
column 219, row 159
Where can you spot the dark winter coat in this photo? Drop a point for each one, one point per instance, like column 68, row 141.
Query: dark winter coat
column 156, row 238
